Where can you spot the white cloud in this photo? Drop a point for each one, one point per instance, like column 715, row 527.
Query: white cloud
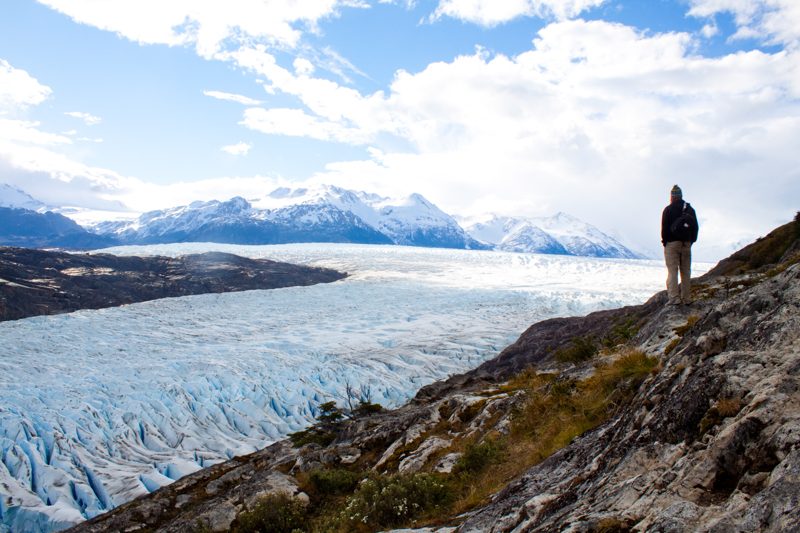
column 303, row 67
column 240, row 148
column 774, row 21
column 208, row 26
column 297, row 123
column 87, row 118
column 598, row 118
column 27, row 132
column 494, row 12
column 231, row 97
column 709, row 30
column 18, row 89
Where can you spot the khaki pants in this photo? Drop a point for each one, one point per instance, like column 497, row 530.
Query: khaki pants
column 678, row 256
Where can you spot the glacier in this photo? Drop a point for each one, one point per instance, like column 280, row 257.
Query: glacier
column 98, row 407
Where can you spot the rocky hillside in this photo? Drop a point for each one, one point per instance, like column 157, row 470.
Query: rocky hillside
column 37, row 282
column 646, row 418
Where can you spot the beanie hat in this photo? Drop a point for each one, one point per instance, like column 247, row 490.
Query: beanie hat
column 676, row 191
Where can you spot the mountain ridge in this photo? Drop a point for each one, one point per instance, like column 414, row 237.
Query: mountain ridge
column 329, row 214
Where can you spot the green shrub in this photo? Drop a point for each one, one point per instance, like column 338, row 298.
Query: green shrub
column 386, row 501
column 323, row 433
column 581, row 349
column 367, row 408
column 477, row 456
column 276, row 513
column 334, row 481
column 312, row 435
column 329, row 413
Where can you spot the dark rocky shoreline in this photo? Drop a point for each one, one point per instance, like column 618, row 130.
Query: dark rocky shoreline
column 37, row 282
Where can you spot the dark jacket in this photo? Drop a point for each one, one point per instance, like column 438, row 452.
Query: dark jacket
column 671, row 212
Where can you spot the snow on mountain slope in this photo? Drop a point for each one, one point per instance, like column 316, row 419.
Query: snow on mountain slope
column 16, row 198
column 580, row 238
column 412, row 220
column 559, row 234
column 514, row 234
column 415, row 221
column 98, row 407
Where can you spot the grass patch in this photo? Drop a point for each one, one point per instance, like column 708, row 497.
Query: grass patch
column 722, row 409
column 478, row 456
column 690, row 322
column 727, row 407
column 610, row 525
column 620, row 333
column 555, row 412
column 580, row 349
column 671, row 346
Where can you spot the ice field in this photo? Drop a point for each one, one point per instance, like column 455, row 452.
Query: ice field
column 98, row 407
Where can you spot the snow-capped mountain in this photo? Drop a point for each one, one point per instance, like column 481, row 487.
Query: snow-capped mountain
column 321, row 214
column 559, row 234
column 27, row 222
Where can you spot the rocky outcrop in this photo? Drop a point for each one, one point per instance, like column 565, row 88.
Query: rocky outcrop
column 36, row 282
column 709, row 441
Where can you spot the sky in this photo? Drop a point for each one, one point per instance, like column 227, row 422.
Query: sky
column 516, row 107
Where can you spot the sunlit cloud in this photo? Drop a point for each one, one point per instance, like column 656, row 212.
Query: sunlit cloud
column 231, row 97
column 18, row 89
column 208, row 26
column 773, row 21
column 240, row 148
column 494, row 12
column 87, row 118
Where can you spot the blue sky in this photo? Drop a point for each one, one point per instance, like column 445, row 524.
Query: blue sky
column 521, row 107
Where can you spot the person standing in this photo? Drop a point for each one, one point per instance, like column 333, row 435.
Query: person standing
column 679, row 230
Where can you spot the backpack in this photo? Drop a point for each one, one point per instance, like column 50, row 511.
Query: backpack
column 683, row 227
